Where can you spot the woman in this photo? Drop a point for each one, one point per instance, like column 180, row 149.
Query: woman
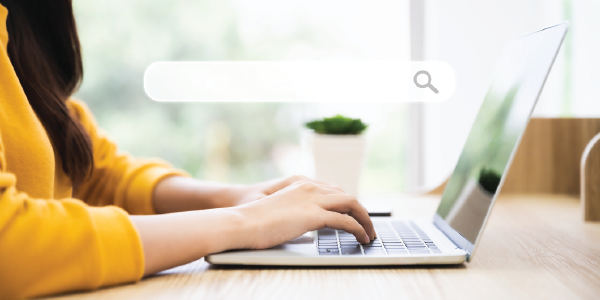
column 66, row 195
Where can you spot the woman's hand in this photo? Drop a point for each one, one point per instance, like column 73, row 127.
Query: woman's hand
column 301, row 207
column 243, row 194
column 176, row 194
column 173, row 239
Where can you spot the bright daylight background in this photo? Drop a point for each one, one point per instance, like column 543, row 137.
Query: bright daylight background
column 243, row 142
column 248, row 142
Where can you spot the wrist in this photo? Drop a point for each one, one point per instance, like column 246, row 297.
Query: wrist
column 239, row 229
column 231, row 195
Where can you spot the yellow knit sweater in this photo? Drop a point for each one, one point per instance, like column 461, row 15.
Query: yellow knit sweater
column 50, row 240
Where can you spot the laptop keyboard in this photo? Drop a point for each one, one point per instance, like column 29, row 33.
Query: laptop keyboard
column 393, row 238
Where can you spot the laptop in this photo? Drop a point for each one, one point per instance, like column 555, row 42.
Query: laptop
column 452, row 235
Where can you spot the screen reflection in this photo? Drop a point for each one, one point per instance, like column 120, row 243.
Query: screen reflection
column 501, row 121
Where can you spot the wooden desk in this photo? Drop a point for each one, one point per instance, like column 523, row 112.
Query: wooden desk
column 535, row 247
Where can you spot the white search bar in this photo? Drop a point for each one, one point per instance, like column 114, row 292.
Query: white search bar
column 312, row 81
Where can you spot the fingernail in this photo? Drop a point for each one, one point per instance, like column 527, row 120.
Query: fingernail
column 368, row 238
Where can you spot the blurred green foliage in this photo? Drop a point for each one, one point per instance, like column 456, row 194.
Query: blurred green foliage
column 489, row 180
column 120, row 39
column 337, row 125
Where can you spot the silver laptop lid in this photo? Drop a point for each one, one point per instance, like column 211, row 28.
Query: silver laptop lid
column 495, row 135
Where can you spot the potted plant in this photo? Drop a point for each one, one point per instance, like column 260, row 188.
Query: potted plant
column 338, row 148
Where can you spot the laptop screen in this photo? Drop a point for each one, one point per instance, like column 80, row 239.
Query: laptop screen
column 497, row 130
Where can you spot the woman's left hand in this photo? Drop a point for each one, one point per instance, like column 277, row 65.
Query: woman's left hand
column 176, row 194
column 248, row 193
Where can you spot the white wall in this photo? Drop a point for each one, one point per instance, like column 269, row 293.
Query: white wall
column 585, row 79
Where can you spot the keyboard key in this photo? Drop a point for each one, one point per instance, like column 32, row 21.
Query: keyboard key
column 396, row 252
column 329, row 251
column 374, row 252
column 372, row 248
column 351, row 251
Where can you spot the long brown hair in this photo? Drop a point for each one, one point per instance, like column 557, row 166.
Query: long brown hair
column 45, row 52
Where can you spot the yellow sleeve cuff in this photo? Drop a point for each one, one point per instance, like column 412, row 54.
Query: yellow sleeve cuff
column 121, row 252
column 141, row 190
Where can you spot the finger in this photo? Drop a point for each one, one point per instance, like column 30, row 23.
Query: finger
column 374, row 232
column 333, row 188
column 274, row 185
column 316, row 188
column 352, row 207
column 339, row 221
column 346, row 204
column 308, row 179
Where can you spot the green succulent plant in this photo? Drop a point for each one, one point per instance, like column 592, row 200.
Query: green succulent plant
column 337, row 125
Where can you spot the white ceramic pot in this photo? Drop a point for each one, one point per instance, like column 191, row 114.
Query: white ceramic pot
column 338, row 159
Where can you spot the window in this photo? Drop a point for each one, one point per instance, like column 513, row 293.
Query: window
column 240, row 142
column 470, row 36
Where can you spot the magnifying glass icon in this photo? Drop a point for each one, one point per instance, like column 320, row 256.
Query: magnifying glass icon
column 428, row 84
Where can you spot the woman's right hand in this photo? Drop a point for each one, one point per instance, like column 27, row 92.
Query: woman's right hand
column 170, row 240
column 299, row 208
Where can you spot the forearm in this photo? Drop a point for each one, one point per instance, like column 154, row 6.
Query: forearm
column 174, row 239
column 177, row 194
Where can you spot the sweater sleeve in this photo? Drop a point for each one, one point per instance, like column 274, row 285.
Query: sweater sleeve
column 118, row 179
column 49, row 246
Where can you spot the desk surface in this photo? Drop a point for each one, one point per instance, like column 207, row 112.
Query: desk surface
column 534, row 247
